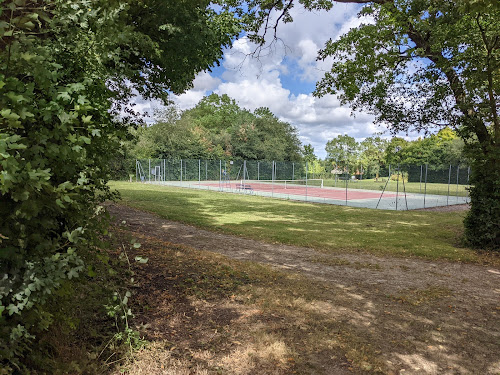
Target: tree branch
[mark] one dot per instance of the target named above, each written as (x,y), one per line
(456,87)
(489,73)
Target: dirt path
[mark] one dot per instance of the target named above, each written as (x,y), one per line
(446,313)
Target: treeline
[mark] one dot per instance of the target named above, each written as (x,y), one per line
(374,155)
(216,128)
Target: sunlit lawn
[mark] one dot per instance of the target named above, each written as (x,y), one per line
(326,227)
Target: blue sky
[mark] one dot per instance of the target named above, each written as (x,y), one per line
(284,79)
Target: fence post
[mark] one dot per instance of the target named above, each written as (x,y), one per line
(258,170)
(136,171)
(272,179)
(468,181)
(336,175)
(199,172)
(307,169)
(181,170)
(458,171)
(346,183)
(449,180)
(244,179)
(420,188)
(425,184)
(220,173)
(149,170)
(293,171)
(397,189)
(404,187)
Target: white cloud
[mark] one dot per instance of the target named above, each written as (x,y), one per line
(204,82)
(257,93)
(258,82)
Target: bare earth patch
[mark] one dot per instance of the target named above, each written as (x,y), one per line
(361,313)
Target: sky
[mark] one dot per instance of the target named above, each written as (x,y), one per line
(283,80)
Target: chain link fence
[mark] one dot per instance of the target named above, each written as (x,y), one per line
(393,187)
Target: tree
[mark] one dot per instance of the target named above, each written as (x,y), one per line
(372,155)
(279,139)
(217,128)
(439,150)
(308,153)
(343,151)
(67,69)
(396,151)
(420,65)
(215,112)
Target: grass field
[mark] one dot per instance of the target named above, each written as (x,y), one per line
(432,235)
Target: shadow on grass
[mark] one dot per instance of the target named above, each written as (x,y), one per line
(428,234)
(241,317)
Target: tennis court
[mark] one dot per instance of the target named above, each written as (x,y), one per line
(296,190)
(399,188)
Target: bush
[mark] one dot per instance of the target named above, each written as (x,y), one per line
(55,141)
(401,177)
(482,224)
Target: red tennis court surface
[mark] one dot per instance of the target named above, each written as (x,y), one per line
(311,191)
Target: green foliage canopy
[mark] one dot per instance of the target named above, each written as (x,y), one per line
(342,150)
(217,128)
(67,69)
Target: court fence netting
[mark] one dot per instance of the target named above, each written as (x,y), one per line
(390,187)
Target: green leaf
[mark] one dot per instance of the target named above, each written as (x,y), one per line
(8,114)
(64,95)
(13,309)
(72,273)
(141,259)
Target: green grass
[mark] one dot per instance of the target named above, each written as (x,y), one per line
(329,228)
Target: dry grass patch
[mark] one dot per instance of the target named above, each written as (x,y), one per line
(423,296)
(208,314)
(225,316)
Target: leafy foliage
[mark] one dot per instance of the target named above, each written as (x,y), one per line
(217,128)
(66,71)
(343,150)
